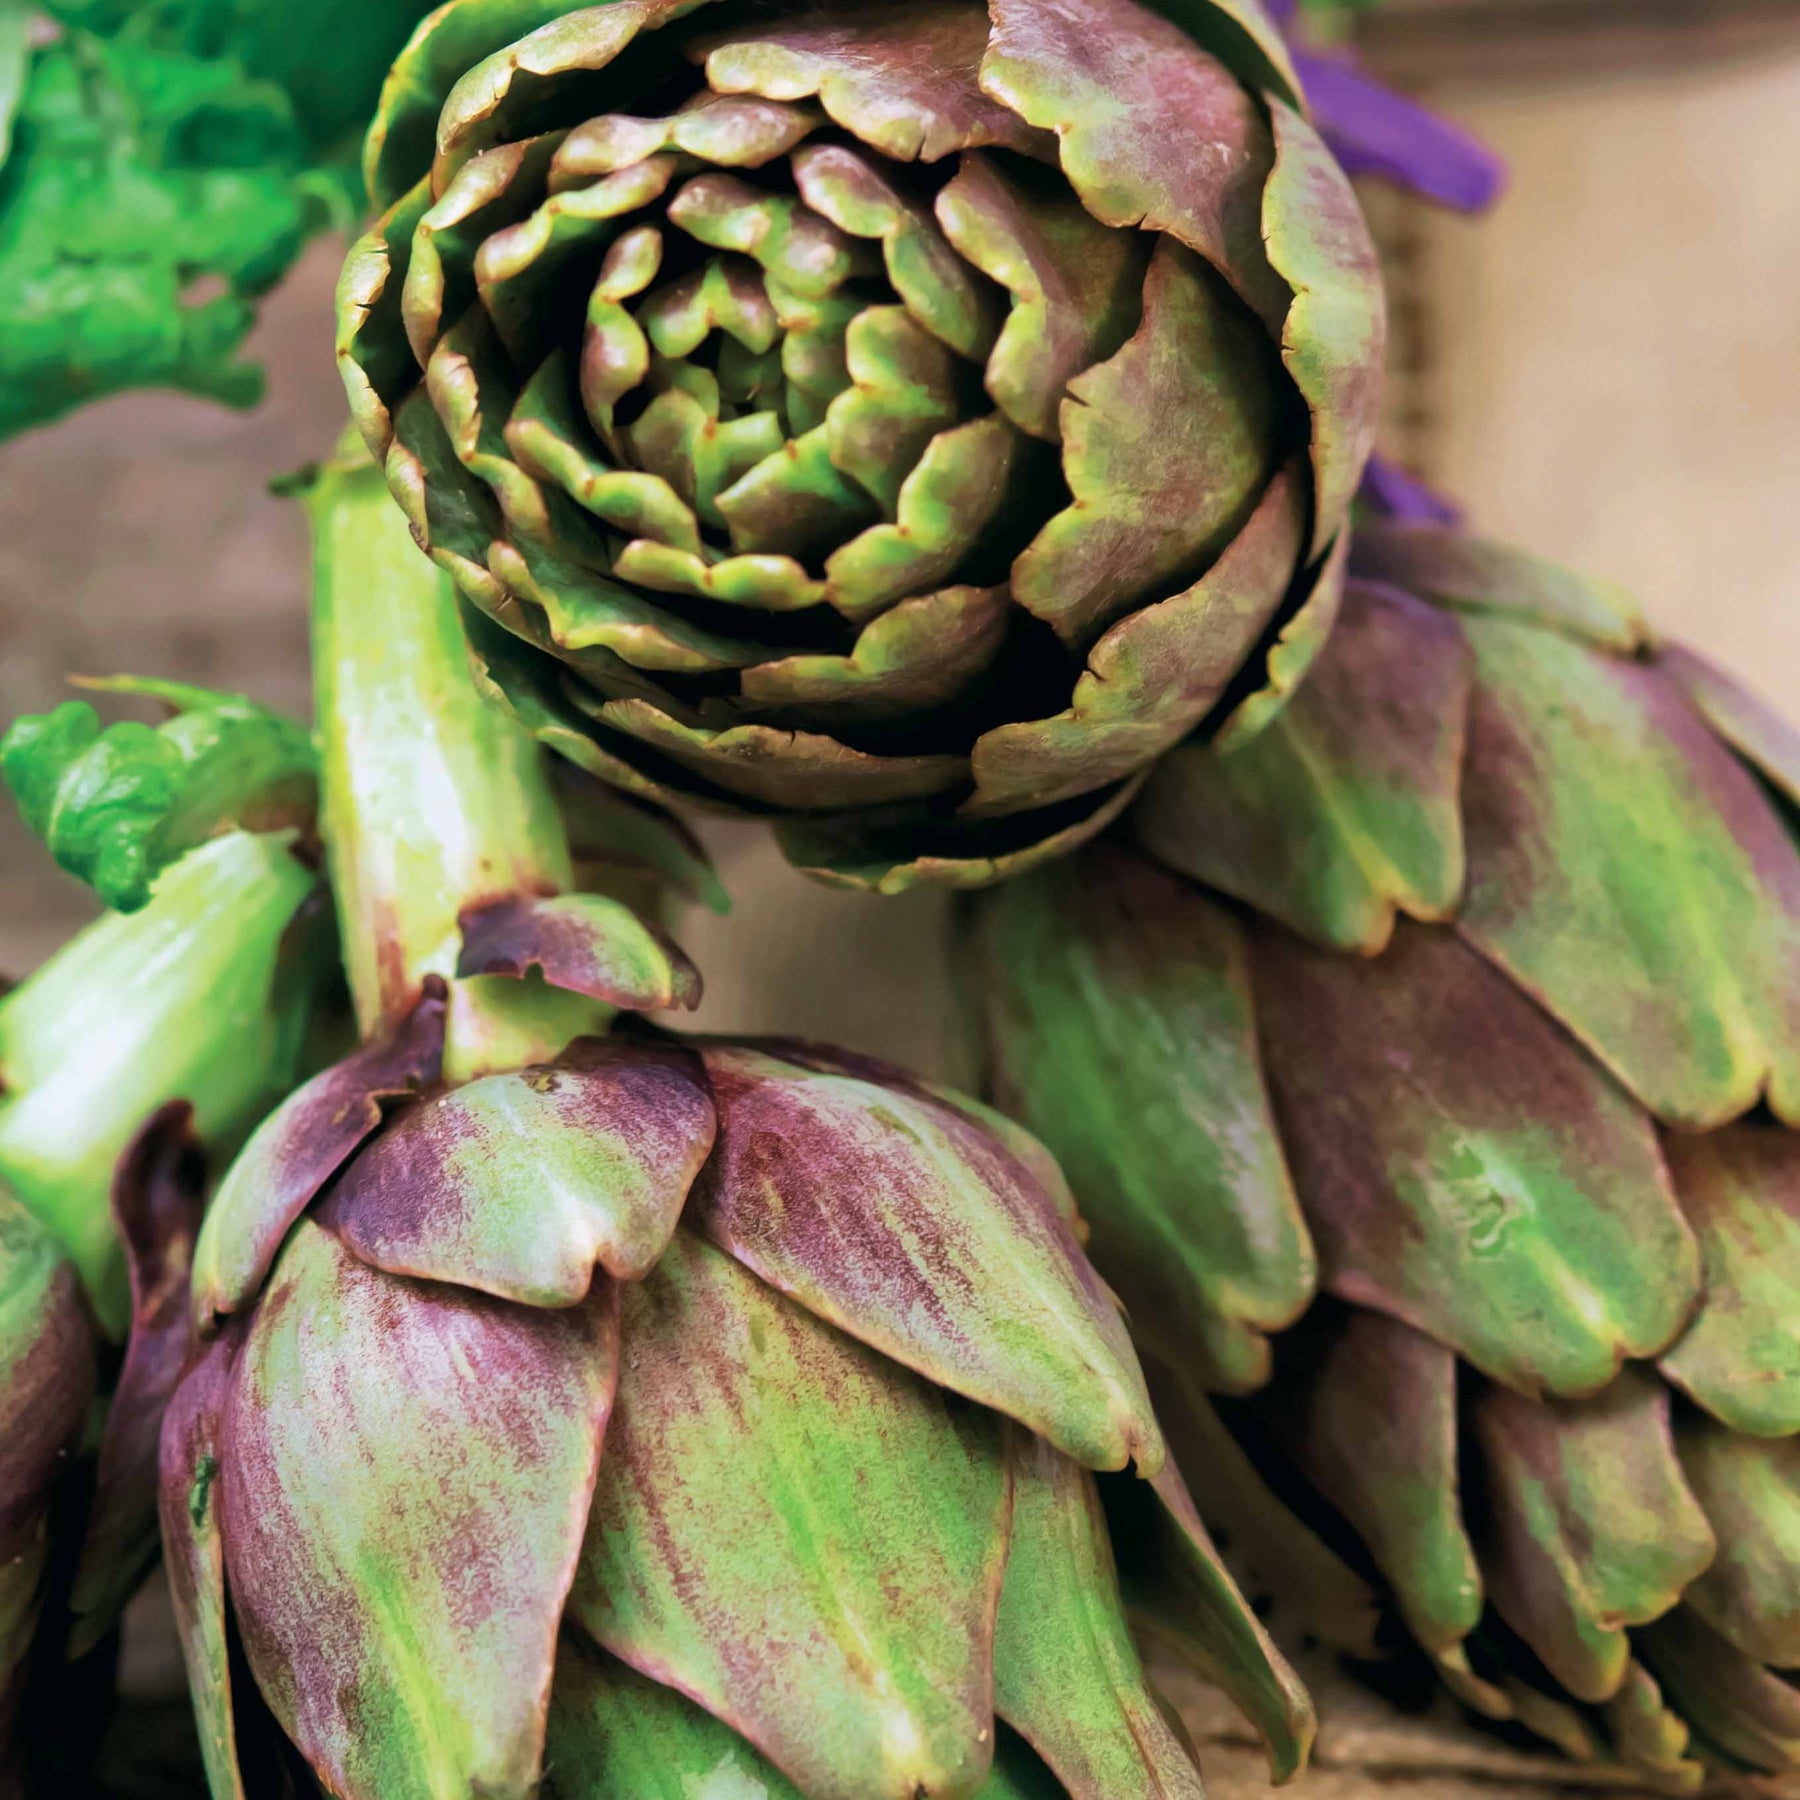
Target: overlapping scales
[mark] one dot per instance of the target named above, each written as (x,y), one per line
(900,422)
(1429,1070)
(675,1409)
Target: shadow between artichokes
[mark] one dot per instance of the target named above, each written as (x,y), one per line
(1429,1070)
(902,422)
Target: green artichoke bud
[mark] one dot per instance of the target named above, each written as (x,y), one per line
(903,422)
(46,1380)
(1448,1150)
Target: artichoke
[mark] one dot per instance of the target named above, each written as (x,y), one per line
(669,1408)
(46,1379)
(1430,1070)
(902,422)
(628,1414)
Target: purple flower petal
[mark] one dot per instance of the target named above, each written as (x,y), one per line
(1373,131)
(1389,491)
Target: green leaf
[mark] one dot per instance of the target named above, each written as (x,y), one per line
(117,806)
(168,162)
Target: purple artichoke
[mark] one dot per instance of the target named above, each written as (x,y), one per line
(670,1408)
(1447,1151)
(902,422)
(597,1415)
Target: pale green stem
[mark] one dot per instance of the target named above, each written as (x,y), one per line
(433,801)
(174,1002)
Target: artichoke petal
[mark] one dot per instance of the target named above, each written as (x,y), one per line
(1188,153)
(1335,334)
(1626,871)
(1475,575)
(1168,447)
(902,79)
(1119,1027)
(952,1259)
(584,943)
(299,1147)
(1154,675)
(800,1535)
(521,1185)
(1749,1489)
(1066,1675)
(1346,811)
(424,1456)
(1740,1358)
(1077,288)
(1467,1169)
(1587,1524)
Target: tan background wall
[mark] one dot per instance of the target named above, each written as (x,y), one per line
(1608,369)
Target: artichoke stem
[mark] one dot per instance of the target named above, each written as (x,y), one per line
(432,801)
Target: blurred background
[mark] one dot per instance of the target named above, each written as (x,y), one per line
(1606,369)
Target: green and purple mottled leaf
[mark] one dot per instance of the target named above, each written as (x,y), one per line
(1167,448)
(1345,811)
(772,767)
(1587,1524)
(1334,339)
(614,1735)
(1631,875)
(1077,288)
(799,1534)
(1474,575)
(157,1195)
(1066,1674)
(903,79)
(46,1381)
(914,1229)
(522,1185)
(193,1549)
(1364,1408)
(1154,675)
(298,1148)
(1740,1358)
(1749,1489)
(1116,1023)
(893,851)
(923,653)
(1184,150)
(584,943)
(404,1485)
(1737,1708)
(1759,734)
(1467,1169)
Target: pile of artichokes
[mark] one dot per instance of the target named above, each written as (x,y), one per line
(936,430)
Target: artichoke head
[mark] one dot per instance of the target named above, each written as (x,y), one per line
(899,422)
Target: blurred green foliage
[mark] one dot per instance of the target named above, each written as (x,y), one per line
(164,163)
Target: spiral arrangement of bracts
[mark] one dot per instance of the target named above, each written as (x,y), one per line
(901,422)
(1488,1035)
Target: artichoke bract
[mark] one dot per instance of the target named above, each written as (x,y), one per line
(900,421)
(1429,1070)
(46,1380)
(591,1414)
